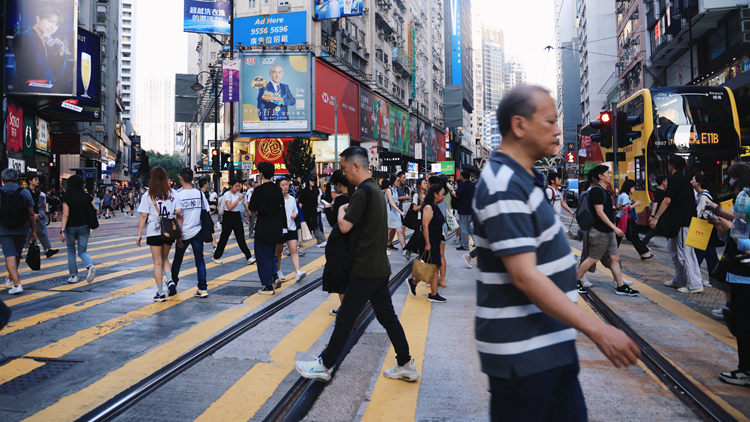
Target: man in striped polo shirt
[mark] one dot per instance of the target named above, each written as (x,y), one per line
(526,317)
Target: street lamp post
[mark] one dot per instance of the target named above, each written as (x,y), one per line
(198,87)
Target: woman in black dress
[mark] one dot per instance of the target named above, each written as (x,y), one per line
(344,191)
(431,236)
(308,199)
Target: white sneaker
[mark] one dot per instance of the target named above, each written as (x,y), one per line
(690,291)
(322,245)
(313,370)
(218,261)
(251,260)
(719,313)
(91,274)
(585,282)
(280,275)
(72,279)
(15,290)
(299,276)
(468,260)
(8,282)
(407,372)
(671,283)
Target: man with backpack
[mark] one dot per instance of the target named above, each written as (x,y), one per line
(17,218)
(368,276)
(193,202)
(603,232)
(554,196)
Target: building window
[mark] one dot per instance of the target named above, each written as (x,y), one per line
(126,79)
(252,4)
(213,55)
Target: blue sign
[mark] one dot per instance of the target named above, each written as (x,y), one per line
(88,175)
(746,67)
(287,28)
(457,75)
(334,9)
(207,16)
(106,171)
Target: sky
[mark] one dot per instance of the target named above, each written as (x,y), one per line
(161,46)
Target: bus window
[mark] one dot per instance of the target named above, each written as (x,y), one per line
(657,166)
(692,109)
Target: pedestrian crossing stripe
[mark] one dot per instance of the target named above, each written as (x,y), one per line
(28,298)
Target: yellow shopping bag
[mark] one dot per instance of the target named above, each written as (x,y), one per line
(698,234)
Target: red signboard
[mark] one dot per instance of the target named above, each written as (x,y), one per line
(271,150)
(66,143)
(441,146)
(571,157)
(330,83)
(14,127)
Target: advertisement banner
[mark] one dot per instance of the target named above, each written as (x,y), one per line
(41,144)
(65,143)
(324,150)
(271,150)
(447,167)
(231,80)
(29,134)
(14,127)
(287,28)
(328,84)
(432,143)
(373,117)
(334,9)
(372,152)
(398,129)
(441,152)
(42,56)
(87,104)
(275,93)
(456,76)
(413,136)
(207,16)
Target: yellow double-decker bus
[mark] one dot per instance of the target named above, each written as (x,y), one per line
(698,123)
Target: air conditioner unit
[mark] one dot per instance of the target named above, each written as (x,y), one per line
(387,66)
(366,52)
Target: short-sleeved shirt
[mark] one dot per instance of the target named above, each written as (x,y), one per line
(600,196)
(624,200)
(11,188)
(192,201)
(555,197)
(107,201)
(682,200)
(78,206)
(156,210)
(370,257)
(511,216)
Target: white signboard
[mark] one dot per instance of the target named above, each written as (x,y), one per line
(436,167)
(418,151)
(247,163)
(18,165)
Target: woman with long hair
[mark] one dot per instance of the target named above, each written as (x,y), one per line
(631,232)
(231,221)
(309,198)
(417,203)
(290,238)
(437,180)
(394,212)
(344,191)
(159,202)
(74,229)
(429,242)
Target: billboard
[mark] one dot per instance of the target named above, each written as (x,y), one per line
(413,137)
(29,134)
(287,28)
(14,127)
(373,117)
(271,150)
(327,150)
(441,145)
(398,129)
(41,54)
(456,76)
(328,84)
(275,92)
(432,143)
(334,9)
(41,144)
(207,16)
(87,104)
(231,80)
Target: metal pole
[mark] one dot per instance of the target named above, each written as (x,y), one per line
(217,173)
(335,133)
(690,40)
(616,179)
(231,105)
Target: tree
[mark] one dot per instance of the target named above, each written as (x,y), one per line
(172,164)
(299,158)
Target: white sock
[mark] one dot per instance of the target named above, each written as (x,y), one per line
(160,288)
(169,276)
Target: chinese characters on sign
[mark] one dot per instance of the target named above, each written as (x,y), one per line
(207,17)
(287,28)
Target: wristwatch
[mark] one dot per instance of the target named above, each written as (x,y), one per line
(62,231)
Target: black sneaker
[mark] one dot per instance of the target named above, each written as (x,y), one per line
(51,252)
(461,248)
(160,297)
(267,290)
(412,286)
(583,290)
(625,290)
(736,377)
(276,284)
(437,298)
(172,286)
(391,247)
(334,312)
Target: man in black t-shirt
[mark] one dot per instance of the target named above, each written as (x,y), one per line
(659,195)
(268,201)
(602,236)
(676,212)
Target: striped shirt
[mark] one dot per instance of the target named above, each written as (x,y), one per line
(514,337)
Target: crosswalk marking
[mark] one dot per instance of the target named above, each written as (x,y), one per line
(28,298)
(75,405)
(16,368)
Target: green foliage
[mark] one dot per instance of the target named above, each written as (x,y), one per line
(171,163)
(299,158)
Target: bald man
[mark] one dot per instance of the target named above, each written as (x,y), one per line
(274,98)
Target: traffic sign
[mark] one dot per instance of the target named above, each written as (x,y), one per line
(106,179)
(88,175)
(247,163)
(106,171)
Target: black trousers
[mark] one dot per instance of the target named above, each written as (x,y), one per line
(358,292)
(739,323)
(632,235)
(232,222)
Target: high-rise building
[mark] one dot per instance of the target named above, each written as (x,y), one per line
(127,60)
(155,114)
(596,26)
(568,61)
(493,59)
(514,73)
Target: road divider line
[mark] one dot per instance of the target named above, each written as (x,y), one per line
(75,405)
(389,394)
(16,368)
(28,298)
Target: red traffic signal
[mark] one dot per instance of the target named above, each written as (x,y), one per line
(214,152)
(605,117)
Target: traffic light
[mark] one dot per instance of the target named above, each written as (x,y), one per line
(225,159)
(215,163)
(625,133)
(604,126)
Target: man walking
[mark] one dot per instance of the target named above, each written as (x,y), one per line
(464,196)
(659,195)
(555,197)
(369,275)
(268,202)
(603,235)
(251,217)
(107,204)
(193,201)
(40,203)
(398,184)
(526,318)
(675,213)
(17,218)
(203,187)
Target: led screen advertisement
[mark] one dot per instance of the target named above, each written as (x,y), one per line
(14,127)
(456,76)
(374,118)
(329,84)
(87,104)
(207,16)
(271,150)
(275,93)
(41,54)
(398,129)
(413,137)
(286,28)
(334,9)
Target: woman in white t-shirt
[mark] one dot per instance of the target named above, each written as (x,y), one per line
(290,237)
(159,202)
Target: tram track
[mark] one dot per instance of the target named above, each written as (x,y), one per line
(679,384)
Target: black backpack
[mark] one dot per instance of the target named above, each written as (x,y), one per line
(584,215)
(338,255)
(13,210)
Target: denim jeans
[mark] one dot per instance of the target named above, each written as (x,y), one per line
(265,255)
(358,292)
(200,264)
(80,234)
(463,228)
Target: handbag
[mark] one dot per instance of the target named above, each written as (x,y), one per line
(451,221)
(698,234)
(170,229)
(33,258)
(422,270)
(92,219)
(303,233)
(411,219)
(719,274)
